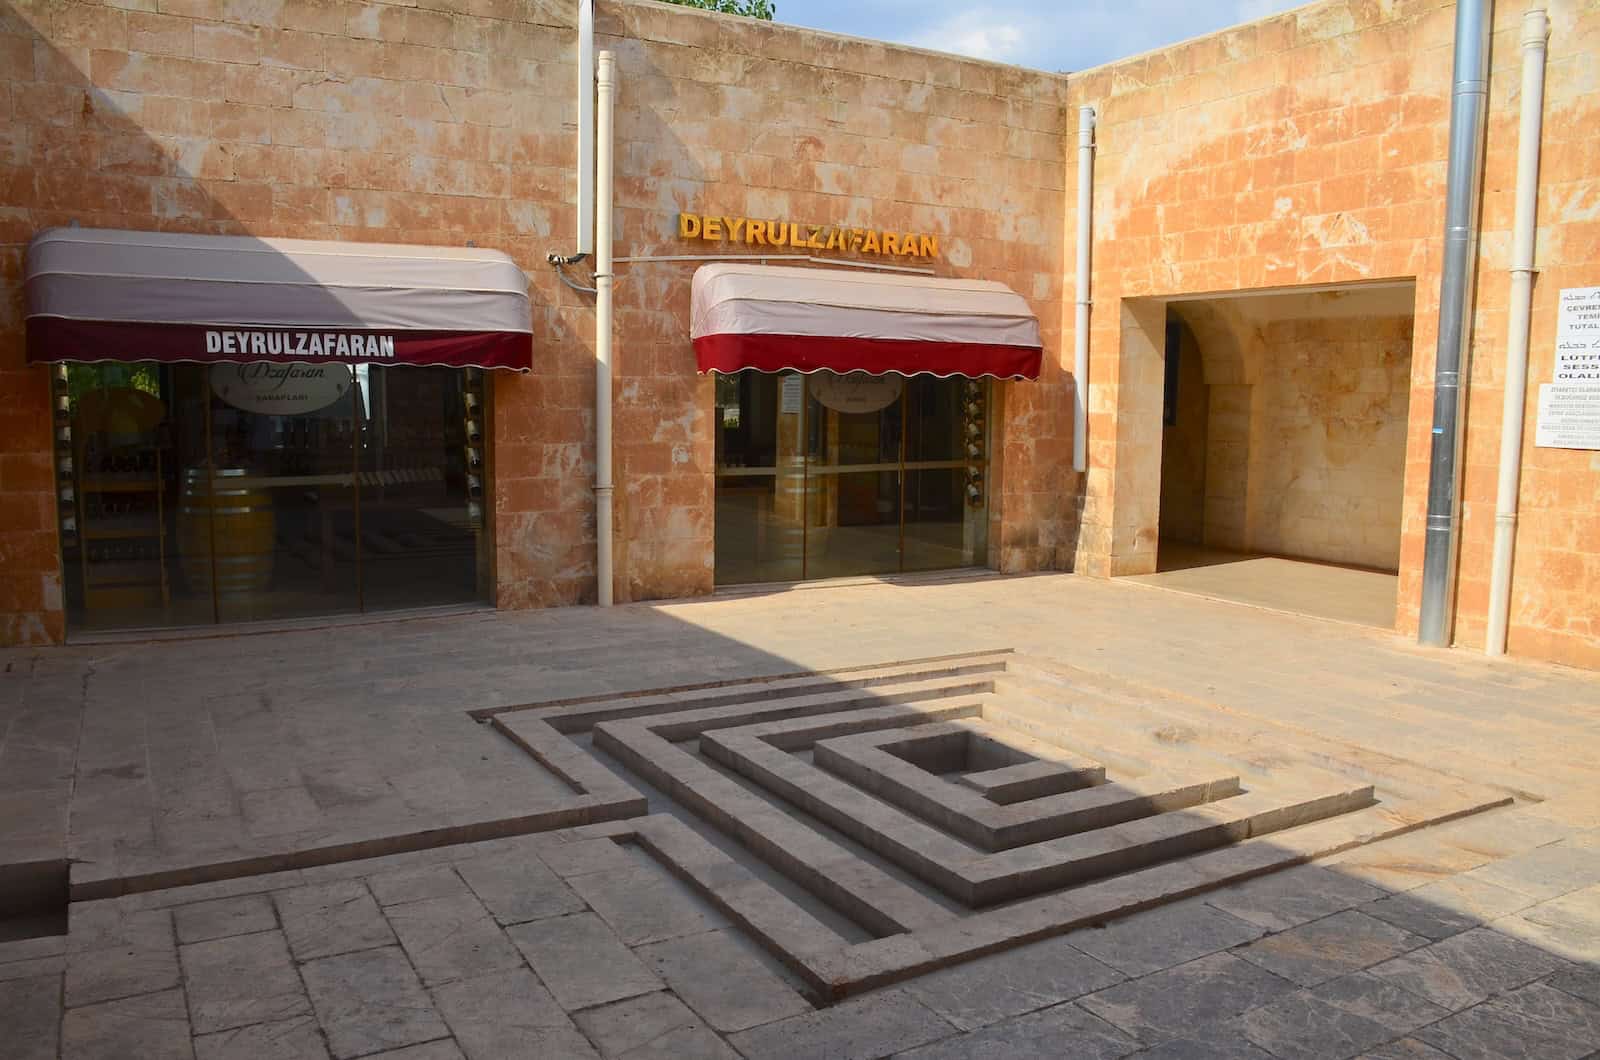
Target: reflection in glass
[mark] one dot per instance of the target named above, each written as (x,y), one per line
(761,482)
(866,474)
(193,494)
(421,489)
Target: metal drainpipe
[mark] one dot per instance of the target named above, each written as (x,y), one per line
(585,126)
(602,332)
(1535,31)
(1080,355)
(1464,179)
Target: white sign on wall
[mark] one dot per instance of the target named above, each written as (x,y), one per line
(1569,405)
(1569,416)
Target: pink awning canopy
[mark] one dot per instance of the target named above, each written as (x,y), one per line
(775,318)
(107,295)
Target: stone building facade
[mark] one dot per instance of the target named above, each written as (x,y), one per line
(1300,156)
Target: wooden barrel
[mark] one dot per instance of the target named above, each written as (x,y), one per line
(243,537)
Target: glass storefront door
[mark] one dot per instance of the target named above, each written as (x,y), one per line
(829,475)
(195,494)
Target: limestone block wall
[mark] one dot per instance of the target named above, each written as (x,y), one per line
(446,121)
(736,117)
(1328,445)
(1309,148)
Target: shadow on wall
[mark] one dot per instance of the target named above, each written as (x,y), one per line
(104,137)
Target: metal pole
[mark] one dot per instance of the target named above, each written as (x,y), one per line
(602,335)
(1464,179)
(586,191)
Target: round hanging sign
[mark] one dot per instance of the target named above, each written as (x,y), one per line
(280,389)
(856,392)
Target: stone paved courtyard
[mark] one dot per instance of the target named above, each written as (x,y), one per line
(986,817)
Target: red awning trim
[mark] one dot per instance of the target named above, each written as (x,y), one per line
(812,353)
(772,318)
(61,339)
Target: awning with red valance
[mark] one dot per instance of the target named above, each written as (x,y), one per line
(107,295)
(778,318)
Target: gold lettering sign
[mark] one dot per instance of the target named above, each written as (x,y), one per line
(757,232)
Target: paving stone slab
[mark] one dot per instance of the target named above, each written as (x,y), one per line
(1474,896)
(1045,1035)
(33,969)
(1568,925)
(1174,1003)
(652,1027)
(1161,938)
(122,971)
(1545,872)
(1533,1021)
(239,980)
(115,923)
(26,949)
(150,1027)
(1406,1049)
(30,1012)
(1292,897)
(508,1016)
(985,991)
(222,917)
(1301,1026)
(644,904)
(1226,1043)
(451,938)
(330,918)
(292,1039)
(871,1026)
(727,985)
(443,1049)
(581,961)
(1422,916)
(1467,968)
(414,884)
(1379,1000)
(1581,983)
(188,893)
(585,856)
(1327,948)
(518,887)
(1405,862)
(370,1000)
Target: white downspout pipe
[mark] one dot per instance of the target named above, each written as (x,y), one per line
(602,331)
(585,126)
(1535,31)
(1080,333)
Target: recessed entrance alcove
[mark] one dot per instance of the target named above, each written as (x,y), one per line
(1282,426)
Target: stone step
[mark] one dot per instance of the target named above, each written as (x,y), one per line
(866,894)
(1027,781)
(687,724)
(578,715)
(1151,840)
(990,827)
